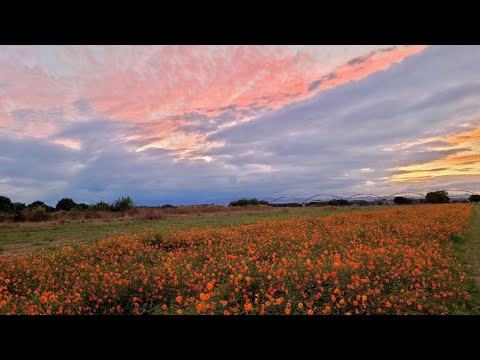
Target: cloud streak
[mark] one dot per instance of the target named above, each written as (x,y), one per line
(209,123)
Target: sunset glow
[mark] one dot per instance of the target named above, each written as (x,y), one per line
(194,124)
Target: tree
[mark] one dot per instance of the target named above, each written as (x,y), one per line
(82,206)
(245,202)
(102,206)
(437,197)
(338,202)
(474,198)
(5,204)
(402,200)
(17,207)
(38,203)
(66,204)
(122,203)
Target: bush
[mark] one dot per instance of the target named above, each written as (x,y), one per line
(474,198)
(38,214)
(456,238)
(66,204)
(82,206)
(167,206)
(5,204)
(102,206)
(245,202)
(38,203)
(437,197)
(123,203)
(400,200)
(338,202)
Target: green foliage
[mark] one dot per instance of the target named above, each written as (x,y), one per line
(5,204)
(38,203)
(402,200)
(338,202)
(474,198)
(437,197)
(82,206)
(17,207)
(456,238)
(245,202)
(122,203)
(101,206)
(66,204)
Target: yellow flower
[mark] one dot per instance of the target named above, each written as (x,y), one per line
(364,297)
(247,279)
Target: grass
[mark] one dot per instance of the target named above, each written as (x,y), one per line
(467,249)
(23,237)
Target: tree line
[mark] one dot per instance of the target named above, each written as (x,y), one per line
(434,197)
(65,204)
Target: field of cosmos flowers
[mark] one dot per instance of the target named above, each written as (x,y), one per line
(394,261)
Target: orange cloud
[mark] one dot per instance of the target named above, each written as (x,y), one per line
(466,161)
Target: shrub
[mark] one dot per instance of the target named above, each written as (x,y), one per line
(66,204)
(474,198)
(37,214)
(102,206)
(338,202)
(122,203)
(245,202)
(437,197)
(456,238)
(167,206)
(402,200)
(38,203)
(82,206)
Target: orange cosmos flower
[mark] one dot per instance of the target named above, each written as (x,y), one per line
(43,299)
(179,299)
(310,312)
(248,307)
(287,311)
(209,286)
(300,305)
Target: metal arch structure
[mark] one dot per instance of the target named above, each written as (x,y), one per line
(375,195)
(304,201)
(314,196)
(300,201)
(405,192)
(466,191)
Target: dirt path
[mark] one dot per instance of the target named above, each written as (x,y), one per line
(471,248)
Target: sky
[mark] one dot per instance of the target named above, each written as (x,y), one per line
(206,124)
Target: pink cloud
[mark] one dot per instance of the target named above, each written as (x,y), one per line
(155,87)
